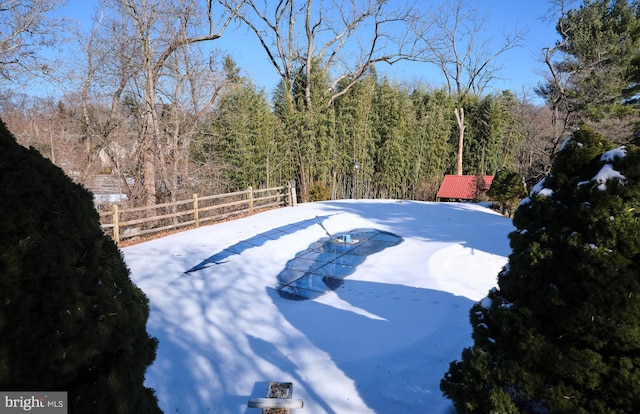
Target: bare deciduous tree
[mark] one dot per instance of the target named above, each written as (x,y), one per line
(534,157)
(157,35)
(344,38)
(321,49)
(102,114)
(453,42)
(591,77)
(554,90)
(27,27)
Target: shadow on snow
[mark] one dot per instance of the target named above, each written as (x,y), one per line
(255,241)
(399,339)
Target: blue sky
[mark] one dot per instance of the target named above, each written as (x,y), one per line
(521,67)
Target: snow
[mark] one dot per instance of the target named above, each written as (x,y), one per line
(546,192)
(565,143)
(605,174)
(380,343)
(486,303)
(109,198)
(611,155)
(538,189)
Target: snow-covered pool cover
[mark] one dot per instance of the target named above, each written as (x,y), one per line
(325,263)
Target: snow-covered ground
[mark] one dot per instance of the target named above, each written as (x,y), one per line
(380,343)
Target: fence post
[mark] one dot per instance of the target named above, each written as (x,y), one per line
(250,190)
(116,225)
(288,194)
(196,217)
(293,197)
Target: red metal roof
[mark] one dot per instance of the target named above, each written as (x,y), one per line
(462,187)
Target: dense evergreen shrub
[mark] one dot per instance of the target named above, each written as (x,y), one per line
(319,192)
(507,189)
(561,333)
(70,317)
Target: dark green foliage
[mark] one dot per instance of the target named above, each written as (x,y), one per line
(308,142)
(507,189)
(400,137)
(354,138)
(598,61)
(603,40)
(489,143)
(433,151)
(395,137)
(244,136)
(562,331)
(70,317)
(319,192)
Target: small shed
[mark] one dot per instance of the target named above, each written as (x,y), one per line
(463,187)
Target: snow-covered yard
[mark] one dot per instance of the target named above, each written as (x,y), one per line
(380,343)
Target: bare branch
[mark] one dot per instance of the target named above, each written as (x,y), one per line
(27,28)
(345,38)
(452,41)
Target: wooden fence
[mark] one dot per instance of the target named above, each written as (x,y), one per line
(123,224)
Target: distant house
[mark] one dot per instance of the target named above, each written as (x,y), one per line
(463,187)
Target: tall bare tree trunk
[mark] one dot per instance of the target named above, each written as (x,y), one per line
(460,119)
(150,138)
(162,30)
(465,62)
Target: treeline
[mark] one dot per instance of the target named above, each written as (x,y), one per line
(381,139)
(147,103)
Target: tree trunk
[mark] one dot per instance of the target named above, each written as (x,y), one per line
(460,118)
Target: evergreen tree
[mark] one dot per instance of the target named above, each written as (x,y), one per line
(561,333)
(353,129)
(507,189)
(395,133)
(595,65)
(488,121)
(70,317)
(434,150)
(243,136)
(307,131)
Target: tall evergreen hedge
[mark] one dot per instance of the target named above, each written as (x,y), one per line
(70,317)
(561,333)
